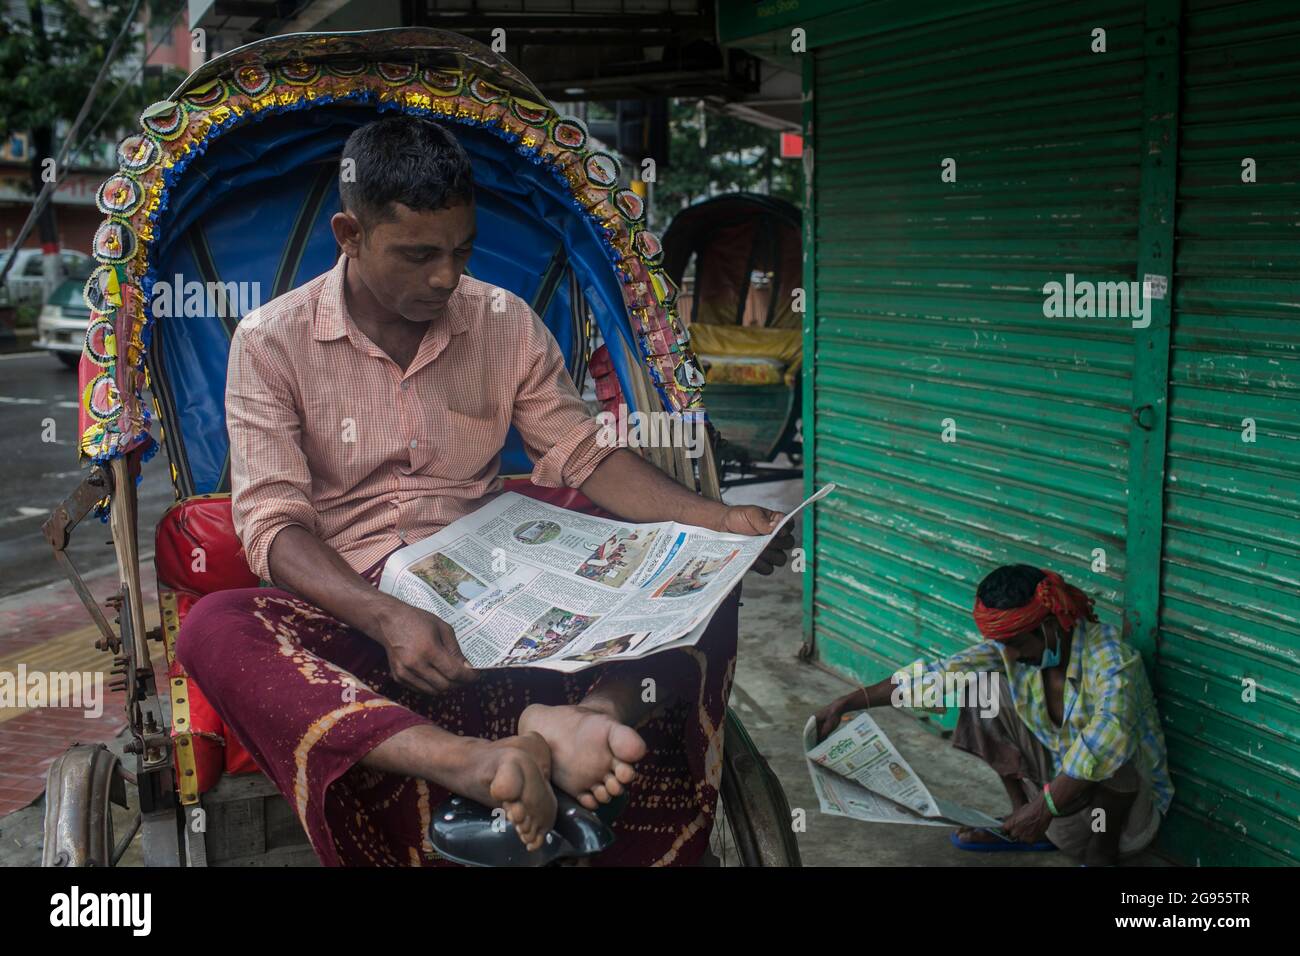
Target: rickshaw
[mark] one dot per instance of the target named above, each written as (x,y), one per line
(233,179)
(748,259)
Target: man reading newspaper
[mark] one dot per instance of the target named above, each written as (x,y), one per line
(1075,739)
(366,410)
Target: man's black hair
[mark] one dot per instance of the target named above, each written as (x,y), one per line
(1011,585)
(402,159)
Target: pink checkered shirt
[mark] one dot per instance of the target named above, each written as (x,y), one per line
(327,432)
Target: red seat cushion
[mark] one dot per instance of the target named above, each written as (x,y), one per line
(196,548)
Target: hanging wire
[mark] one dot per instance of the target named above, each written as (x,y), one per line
(62,164)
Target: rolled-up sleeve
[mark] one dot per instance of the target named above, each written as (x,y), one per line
(564,441)
(269,479)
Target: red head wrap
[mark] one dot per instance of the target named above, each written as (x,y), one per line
(1052,596)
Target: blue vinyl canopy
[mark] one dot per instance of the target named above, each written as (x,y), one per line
(256,208)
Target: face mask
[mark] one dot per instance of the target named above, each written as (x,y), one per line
(1051,657)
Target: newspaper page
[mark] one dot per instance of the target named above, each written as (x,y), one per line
(526,584)
(858,772)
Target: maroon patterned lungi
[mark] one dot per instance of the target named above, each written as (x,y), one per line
(276,669)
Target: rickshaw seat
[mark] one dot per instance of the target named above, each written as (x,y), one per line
(748,355)
(197,552)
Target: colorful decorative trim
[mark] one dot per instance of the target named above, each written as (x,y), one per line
(442,82)
(208,96)
(114,242)
(346,67)
(114,416)
(300,73)
(119,196)
(251,80)
(396,74)
(138,153)
(165,120)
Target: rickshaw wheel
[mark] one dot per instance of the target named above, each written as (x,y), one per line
(79,787)
(752,826)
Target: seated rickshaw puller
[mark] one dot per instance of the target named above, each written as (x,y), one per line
(1076,728)
(366,410)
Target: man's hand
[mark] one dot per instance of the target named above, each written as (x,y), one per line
(423,653)
(829,717)
(1030,822)
(753,520)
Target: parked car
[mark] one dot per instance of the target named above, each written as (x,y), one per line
(25,281)
(61,328)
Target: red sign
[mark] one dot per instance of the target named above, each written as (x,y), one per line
(791,145)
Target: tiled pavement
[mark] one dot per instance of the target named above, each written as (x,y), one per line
(48,629)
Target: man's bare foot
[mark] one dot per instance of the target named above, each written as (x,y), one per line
(514,773)
(592,754)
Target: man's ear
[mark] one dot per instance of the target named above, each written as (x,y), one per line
(348,233)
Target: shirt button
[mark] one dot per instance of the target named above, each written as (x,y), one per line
(414,443)
(405,386)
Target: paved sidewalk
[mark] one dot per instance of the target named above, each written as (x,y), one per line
(47,629)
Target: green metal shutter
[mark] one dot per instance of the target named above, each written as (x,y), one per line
(927,305)
(1230,602)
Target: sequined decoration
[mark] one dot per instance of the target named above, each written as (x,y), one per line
(174,133)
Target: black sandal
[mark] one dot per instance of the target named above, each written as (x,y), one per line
(466,832)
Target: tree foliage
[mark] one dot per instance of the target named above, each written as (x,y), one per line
(46,79)
(736,156)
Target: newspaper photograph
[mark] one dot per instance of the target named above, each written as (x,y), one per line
(526,584)
(858,772)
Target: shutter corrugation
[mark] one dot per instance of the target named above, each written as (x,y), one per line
(1230,602)
(929,306)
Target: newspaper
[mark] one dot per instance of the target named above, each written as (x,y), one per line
(858,772)
(527,584)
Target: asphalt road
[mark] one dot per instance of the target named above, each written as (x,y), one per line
(36,475)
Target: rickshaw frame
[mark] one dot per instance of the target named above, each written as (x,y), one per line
(84,782)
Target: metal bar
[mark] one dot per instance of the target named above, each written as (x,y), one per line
(122,519)
(632,24)
(1156,211)
(87,599)
(809,347)
(58,531)
(764,476)
(126,840)
(161,839)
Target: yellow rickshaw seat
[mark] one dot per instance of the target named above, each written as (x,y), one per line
(748,355)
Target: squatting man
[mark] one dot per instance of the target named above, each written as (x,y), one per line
(1076,739)
(366,410)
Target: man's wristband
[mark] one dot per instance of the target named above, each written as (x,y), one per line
(1047,797)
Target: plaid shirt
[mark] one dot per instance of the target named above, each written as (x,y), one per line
(1108,712)
(327,432)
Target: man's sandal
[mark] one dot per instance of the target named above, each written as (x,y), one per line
(471,834)
(1003,845)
